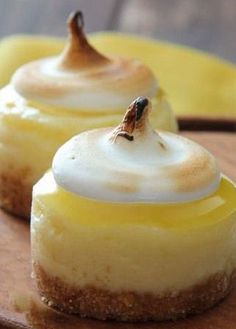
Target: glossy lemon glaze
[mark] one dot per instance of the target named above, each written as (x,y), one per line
(207,211)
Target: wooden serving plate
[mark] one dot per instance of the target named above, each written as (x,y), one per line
(20,306)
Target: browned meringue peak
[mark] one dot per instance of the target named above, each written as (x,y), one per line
(134,163)
(78,53)
(136,122)
(83,79)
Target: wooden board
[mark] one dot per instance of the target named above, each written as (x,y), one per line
(19,304)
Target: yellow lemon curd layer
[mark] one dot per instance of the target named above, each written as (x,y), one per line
(154,248)
(30,133)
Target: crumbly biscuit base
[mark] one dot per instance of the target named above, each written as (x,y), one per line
(129,305)
(15,193)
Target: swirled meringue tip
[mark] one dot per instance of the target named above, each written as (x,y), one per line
(81,77)
(133,163)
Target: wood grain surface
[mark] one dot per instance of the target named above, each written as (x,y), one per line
(20,306)
(208,25)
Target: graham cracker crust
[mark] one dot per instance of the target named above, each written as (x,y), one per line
(15,192)
(127,305)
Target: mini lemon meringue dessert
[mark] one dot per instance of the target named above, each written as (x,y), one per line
(133,225)
(50,100)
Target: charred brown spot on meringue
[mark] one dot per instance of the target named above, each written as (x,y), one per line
(200,170)
(78,53)
(134,120)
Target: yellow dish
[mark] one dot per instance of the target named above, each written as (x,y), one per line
(197,83)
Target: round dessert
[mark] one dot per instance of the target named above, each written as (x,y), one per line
(50,100)
(133,225)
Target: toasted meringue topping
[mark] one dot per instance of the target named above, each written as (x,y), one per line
(81,77)
(133,163)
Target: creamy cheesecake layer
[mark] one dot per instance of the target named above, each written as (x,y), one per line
(31,133)
(132,247)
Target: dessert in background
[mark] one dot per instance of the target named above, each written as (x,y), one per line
(133,225)
(50,100)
